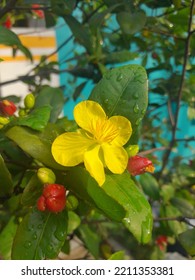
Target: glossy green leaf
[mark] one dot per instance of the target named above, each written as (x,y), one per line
(6,238)
(52,97)
(84,186)
(6,184)
(119,199)
(91,239)
(124,91)
(78,90)
(40,236)
(37,119)
(150,186)
(32,191)
(9,38)
(138,219)
(187,240)
(33,145)
(131,23)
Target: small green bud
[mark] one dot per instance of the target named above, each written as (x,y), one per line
(46,175)
(29,101)
(4,120)
(71,202)
(22,112)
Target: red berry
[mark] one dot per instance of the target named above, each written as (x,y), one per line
(41,203)
(53,198)
(7,108)
(8,22)
(39,13)
(55,204)
(161,242)
(138,165)
(53,190)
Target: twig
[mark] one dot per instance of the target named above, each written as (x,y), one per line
(178,219)
(179,96)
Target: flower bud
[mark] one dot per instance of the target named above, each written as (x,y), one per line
(4,120)
(29,101)
(7,108)
(52,199)
(72,202)
(46,175)
(138,165)
(161,242)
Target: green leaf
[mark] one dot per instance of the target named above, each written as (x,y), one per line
(32,191)
(119,199)
(84,186)
(187,240)
(80,32)
(120,255)
(6,239)
(78,90)
(37,119)
(131,23)
(52,97)
(91,239)
(120,56)
(169,211)
(138,219)
(6,184)
(32,144)
(124,91)
(40,236)
(184,206)
(150,186)
(9,38)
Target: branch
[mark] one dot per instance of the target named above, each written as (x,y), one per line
(178,219)
(179,96)
(9,6)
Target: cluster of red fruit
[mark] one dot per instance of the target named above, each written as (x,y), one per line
(53,198)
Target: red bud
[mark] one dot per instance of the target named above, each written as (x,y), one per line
(161,242)
(7,108)
(138,165)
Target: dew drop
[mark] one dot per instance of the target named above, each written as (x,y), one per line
(40,226)
(34,236)
(27,244)
(143,111)
(60,235)
(106,101)
(119,77)
(49,248)
(136,108)
(138,121)
(136,95)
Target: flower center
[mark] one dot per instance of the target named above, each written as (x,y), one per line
(104,131)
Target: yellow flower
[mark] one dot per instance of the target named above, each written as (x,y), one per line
(99,142)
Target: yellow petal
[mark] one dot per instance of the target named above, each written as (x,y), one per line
(94,165)
(87,114)
(115,157)
(68,148)
(124,130)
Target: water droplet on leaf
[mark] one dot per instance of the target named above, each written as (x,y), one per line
(27,244)
(136,108)
(119,77)
(136,95)
(138,121)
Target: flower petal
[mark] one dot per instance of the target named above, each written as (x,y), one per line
(87,113)
(115,157)
(124,130)
(68,148)
(94,165)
